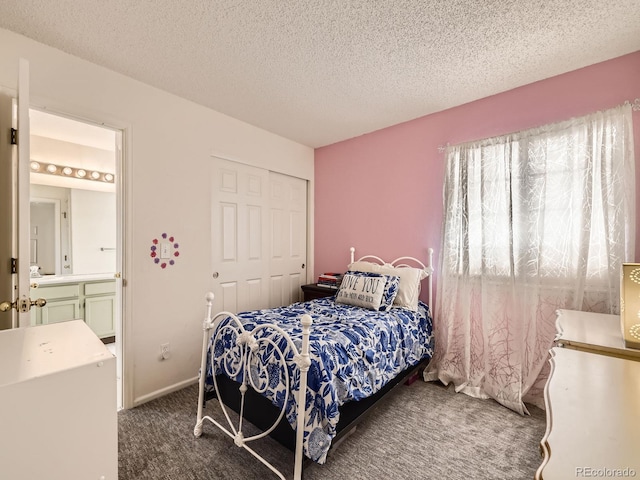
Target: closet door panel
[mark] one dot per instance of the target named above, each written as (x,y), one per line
(288,249)
(229,232)
(239,236)
(276,288)
(227,297)
(255,232)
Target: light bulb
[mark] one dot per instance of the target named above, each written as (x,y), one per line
(35,166)
(95,175)
(67,170)
(51,168)
(81,173)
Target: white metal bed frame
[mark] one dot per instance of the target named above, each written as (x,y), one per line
(247,346)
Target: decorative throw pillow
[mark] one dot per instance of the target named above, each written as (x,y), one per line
(409,289)
(390,292)
(391,287)
(362,290)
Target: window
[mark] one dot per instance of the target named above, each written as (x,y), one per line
(533,222)
(549,204)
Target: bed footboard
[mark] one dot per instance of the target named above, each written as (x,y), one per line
(238,362)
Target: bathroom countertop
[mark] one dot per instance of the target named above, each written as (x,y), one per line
(85,277)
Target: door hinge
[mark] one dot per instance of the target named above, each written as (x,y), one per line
(14,265)
(14,136)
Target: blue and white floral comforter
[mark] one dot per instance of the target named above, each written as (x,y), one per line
(354,352)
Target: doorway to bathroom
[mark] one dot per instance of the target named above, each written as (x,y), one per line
(76,226)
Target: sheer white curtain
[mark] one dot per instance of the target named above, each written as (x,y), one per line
(533,222)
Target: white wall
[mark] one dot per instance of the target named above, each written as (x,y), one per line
(93,231)
(168,144)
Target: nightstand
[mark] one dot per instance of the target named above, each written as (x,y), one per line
(313,291)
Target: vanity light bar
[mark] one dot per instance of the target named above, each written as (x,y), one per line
(63,171)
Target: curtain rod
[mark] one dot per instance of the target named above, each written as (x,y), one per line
(635,106)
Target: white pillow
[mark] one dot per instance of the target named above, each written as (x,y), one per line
(362,291)
(410,278)
(363,266)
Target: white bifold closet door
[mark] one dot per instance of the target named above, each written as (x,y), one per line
(258,231)
(288,242)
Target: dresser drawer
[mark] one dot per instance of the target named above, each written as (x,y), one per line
(100,288)
(58,291)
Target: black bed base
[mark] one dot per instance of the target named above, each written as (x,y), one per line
(262,413)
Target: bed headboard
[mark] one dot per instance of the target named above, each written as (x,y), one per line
(402,262)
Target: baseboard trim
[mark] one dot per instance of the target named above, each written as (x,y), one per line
(165,391)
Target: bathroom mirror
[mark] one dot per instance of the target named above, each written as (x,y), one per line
(72,231)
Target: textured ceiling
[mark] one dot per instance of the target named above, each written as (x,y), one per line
(321,71)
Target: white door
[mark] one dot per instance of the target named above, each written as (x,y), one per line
(6,209)
(15,273)
(288,238)
(239,236)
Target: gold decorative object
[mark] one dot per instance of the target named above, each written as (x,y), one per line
(630,304)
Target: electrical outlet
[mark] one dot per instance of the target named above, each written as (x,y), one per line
(164,351)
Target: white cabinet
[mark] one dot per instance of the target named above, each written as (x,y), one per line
(58,413)
(63,303)
(93,302)
(60,311)
(99,307)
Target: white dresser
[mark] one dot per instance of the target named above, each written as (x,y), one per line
(593,401)
(58,418)
(594,333)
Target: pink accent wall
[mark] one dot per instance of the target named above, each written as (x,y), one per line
(382,192)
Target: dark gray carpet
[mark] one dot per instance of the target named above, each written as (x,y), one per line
(424,431)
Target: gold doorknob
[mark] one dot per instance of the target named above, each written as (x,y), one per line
(22,305)
(39,302)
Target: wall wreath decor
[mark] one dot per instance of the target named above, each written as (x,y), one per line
(164,250)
